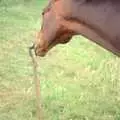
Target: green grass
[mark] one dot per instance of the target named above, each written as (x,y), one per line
(83,85)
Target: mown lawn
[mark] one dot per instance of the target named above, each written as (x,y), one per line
(79,80)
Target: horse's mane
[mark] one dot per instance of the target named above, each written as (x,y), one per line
(102,1)
(50,2)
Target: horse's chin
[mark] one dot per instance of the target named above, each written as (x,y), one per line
(39,52)
(43,50)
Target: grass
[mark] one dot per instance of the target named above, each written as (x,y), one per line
(83,85)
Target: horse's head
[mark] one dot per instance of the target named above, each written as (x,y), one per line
(52,31)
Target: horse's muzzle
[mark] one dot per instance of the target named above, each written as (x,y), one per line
(40,52)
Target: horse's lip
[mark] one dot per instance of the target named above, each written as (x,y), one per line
(40,52)
(43,51)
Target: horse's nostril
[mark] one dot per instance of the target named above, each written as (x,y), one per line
(36,53)
(36,49)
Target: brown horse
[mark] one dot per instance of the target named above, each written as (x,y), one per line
(97,20)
